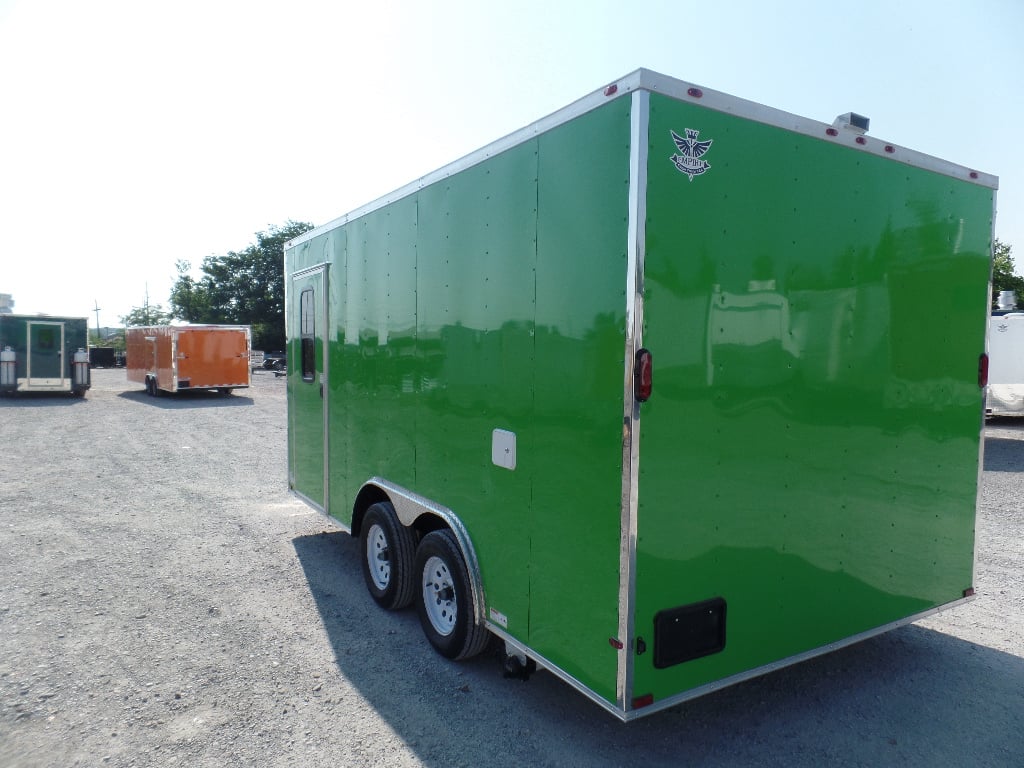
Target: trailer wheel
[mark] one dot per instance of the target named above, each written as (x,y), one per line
(150,386)
(445,603)
(225,391)
(388,550)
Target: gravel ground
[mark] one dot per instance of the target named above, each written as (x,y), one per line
(165,601)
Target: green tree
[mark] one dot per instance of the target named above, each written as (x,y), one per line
(187,301)
(244,287)
(147,315)
(1004,278)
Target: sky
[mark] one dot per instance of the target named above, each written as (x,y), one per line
(135,134)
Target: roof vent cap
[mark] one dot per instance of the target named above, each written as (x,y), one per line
(851,121)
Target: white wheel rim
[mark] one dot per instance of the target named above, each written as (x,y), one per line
(439,596)
(377,557)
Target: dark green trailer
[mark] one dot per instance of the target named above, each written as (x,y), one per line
(645,389)
(43,353)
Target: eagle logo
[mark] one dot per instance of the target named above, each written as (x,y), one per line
(691,151)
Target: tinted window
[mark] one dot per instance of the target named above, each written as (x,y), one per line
(307,332)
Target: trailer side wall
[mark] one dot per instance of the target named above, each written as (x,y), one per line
(492,299)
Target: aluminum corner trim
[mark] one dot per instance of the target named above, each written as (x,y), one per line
(636,237)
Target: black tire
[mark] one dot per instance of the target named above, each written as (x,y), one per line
(388,551)
(225,391)
(444,599)
(150,386)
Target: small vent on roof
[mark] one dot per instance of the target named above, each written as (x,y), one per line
(851,121)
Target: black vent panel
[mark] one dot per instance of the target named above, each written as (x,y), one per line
(689,632)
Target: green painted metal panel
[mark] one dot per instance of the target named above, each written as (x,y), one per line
(816,316)
(580,343)
(476,281)
(374,365)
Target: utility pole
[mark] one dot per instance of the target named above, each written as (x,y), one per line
(97,311)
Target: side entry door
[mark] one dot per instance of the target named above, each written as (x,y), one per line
(307,385)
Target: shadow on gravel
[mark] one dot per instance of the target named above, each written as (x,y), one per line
(198,398)
(39,400)
(912,697)
(1003,454)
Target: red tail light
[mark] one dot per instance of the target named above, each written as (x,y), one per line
(642,373)
(983,370)
(643,701)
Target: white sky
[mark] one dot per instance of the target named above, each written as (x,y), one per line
(134,133)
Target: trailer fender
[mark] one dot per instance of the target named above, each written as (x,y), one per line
(411,508)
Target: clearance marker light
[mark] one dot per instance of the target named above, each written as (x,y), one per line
(642,375)
(696,93)
(983,370)
(643,701)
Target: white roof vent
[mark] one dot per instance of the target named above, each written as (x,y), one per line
(851,121)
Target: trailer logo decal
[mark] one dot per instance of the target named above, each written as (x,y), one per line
(690,151)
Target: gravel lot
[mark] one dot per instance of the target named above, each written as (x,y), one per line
(165,601)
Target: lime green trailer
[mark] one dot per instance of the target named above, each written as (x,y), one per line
(644,391)
(44,353)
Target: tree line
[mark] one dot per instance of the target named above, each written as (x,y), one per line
(1004,277)
(238,288)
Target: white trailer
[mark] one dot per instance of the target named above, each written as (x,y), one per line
(1005,396)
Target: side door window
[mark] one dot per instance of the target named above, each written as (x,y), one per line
(307,333)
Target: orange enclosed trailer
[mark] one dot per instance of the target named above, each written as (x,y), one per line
(171,358)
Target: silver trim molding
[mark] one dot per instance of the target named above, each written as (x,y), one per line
(636,238)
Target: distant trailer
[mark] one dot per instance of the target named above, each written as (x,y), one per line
(43,353)
(1005,394)
(102,357)
(172,358)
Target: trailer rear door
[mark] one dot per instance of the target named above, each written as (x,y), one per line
(212,357)
(45,354)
